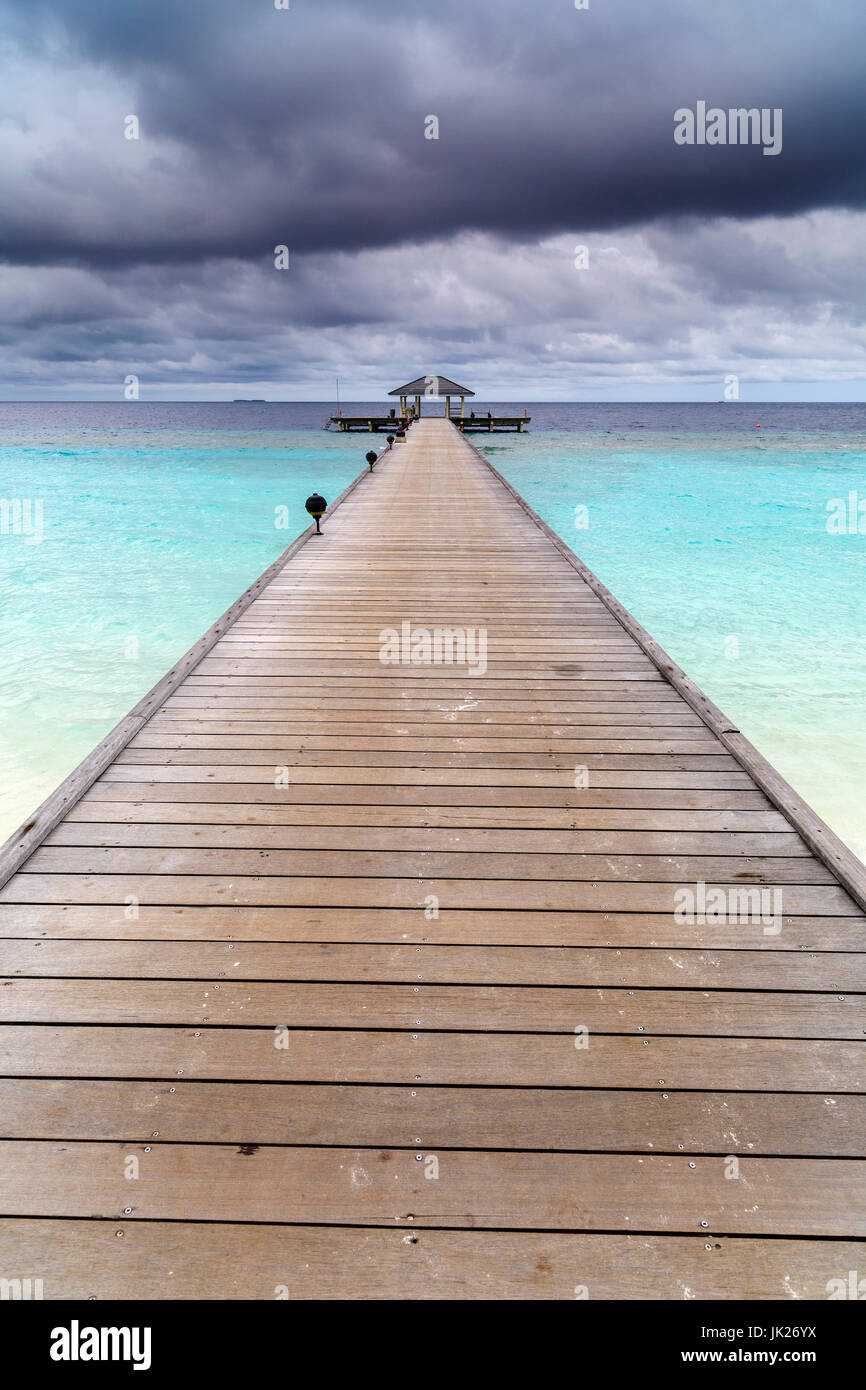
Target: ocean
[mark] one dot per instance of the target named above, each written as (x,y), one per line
(741,549)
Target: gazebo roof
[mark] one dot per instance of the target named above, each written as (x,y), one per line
(444,387)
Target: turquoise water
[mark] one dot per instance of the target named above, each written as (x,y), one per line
(715,536)
(719,546)
(147,539)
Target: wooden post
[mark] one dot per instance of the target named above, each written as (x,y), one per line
(418,406)
(447,407)
(462,406)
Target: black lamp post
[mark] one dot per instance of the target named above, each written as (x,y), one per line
(316,506)
(390,440)
(371,457)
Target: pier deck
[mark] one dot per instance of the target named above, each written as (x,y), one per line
(372,974)
(467,424)
(368,424)
(477,424)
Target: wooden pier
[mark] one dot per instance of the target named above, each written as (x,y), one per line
(368,424)
(333,978)
(467,424)
(476,424)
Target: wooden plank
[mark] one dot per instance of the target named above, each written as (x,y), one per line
(457,1117)
(238,711)
(182,788)
(541,1191)
(345,700)
(363,1057)
(408,863)
(466,894)
(431,839)
(613,771)
(468,1008)
(365,646)
(505,926)
(483,965)
(187,1260)
(592,723)
(92,811)
(600,741)
(519,672)
(421,691)
(457,761)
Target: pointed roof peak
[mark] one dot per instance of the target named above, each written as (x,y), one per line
(432,385)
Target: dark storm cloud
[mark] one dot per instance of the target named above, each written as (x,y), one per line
(774,300)
(307,126)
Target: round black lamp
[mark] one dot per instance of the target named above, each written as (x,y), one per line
(316,506)
(371,457)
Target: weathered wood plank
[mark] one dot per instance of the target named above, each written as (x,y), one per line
(484,1008)
(423,862)
(506,926)
(483,965)
(458,1117)
(107,817)
(306,791)
(466,894)
(186,1260)
(431,840)
(441,1059)
(598,741)
(457,760)
(541,1191)
(278,716)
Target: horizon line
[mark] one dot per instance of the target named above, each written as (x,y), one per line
(324,400)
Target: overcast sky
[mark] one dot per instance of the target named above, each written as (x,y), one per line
(305,128)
